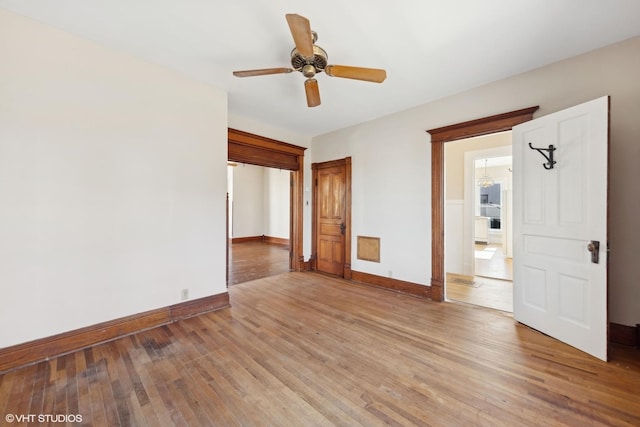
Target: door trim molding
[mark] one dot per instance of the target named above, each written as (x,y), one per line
(346,162)
(245,147)
(439,136)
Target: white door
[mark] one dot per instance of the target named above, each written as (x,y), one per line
(558,288)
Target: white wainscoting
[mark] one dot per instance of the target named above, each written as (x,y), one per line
(454,237)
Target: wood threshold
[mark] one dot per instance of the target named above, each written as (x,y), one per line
(46,348)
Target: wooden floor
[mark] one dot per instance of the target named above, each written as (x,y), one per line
(496,265)
(302,349)
(482,291)
(255,260)
(492,284)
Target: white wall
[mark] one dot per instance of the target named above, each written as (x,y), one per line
(112,184)
(454,154)
(391,163)
(277,202)
(260,202)
(390,197)
(248,203)
(455,250)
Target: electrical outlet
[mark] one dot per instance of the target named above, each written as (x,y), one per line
(390,273)
(185,294)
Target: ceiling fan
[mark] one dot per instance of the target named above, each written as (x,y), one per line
(310,59)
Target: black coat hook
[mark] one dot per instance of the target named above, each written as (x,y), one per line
(550,161)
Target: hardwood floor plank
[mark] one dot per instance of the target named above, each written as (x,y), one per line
(20,396)
(205,402)
(71,386)
(95,410)
(48,400)
(172,413)
(254,364)
(105,376)
(256,260)
(304,376)
(225,394)
(154,411)
(37,396)
(482,291)
(83,396)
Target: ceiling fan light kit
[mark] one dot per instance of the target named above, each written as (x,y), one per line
(310,59)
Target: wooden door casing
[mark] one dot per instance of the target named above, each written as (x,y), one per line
(439,136)
(244,147)
(332,217)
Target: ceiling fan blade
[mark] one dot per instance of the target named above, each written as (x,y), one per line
(263,72)
(374,75)
(313,92)
(301,32)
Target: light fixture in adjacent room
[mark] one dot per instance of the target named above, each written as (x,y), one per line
(486,180)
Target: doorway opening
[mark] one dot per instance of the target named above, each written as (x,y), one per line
(440,136)
(478,247)
(251,149)
(259,222)
(493,244)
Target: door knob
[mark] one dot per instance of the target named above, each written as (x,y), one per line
(594,248)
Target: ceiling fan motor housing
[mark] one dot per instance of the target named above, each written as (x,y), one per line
(309,66)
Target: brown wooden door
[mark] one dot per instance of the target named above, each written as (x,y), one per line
(331,222)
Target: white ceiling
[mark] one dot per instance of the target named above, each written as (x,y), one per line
(430,48)
(493,162)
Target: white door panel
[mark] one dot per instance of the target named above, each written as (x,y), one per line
(557,212)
